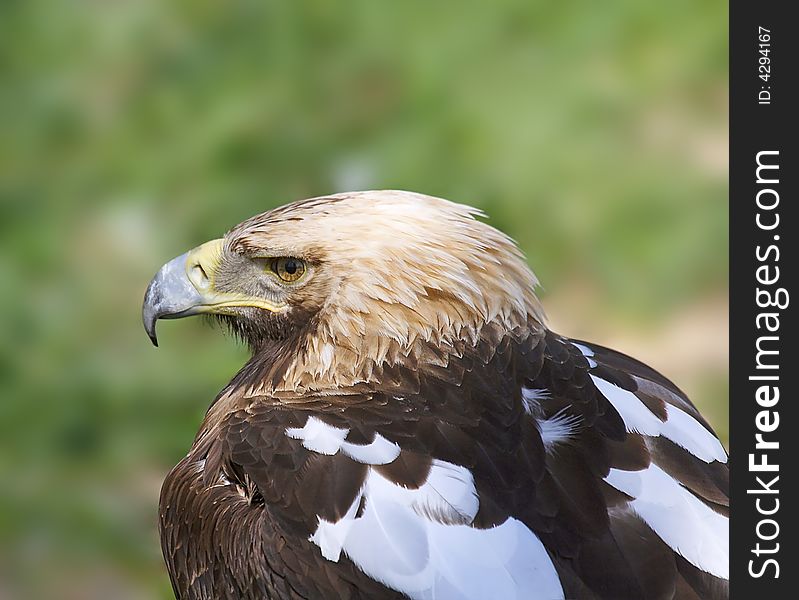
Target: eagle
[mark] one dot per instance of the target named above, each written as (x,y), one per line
(408,427)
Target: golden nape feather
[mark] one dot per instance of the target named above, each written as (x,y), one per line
(397,271)
(407,425)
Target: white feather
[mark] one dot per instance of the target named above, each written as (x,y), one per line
(531,400)
(636,416)
(682,521)
(680,427)
(330,536)
(557,429)
(318,436)
(419,542)
(379,451)
(685,431)
(587,352)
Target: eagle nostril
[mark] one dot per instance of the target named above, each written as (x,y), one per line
(200,277)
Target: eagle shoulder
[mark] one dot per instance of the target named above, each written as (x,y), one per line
(560,467)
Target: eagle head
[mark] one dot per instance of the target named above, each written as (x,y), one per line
(329,291)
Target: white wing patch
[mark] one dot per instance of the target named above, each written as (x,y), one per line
(682,521)
(636,416)
(420,541)
(330,536)
(680,427)
(399,541)
(318,436)
(685,431)
(587,352)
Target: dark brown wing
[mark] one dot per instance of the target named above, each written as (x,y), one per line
(666,490)
(549,468)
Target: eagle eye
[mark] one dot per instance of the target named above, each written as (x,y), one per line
(288,269)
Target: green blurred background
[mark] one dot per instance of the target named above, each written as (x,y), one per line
(131,131)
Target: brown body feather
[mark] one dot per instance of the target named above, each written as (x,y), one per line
(223,540)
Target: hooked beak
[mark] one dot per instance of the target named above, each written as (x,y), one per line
(185,286)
